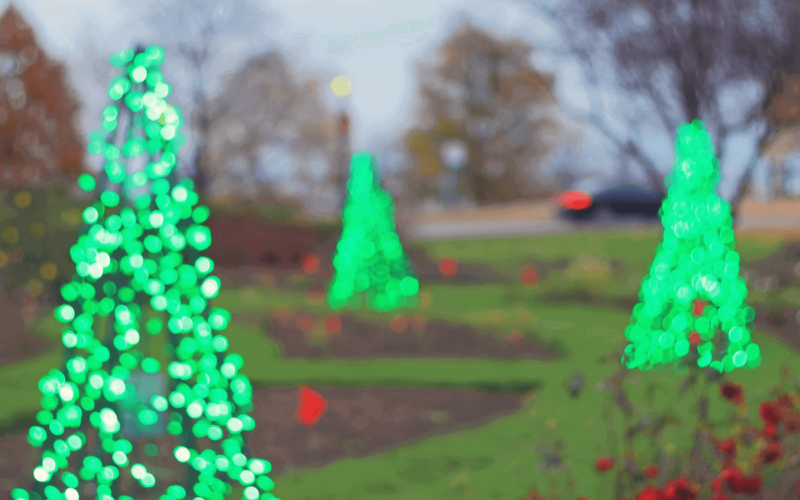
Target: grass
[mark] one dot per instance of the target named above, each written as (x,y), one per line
(497,460)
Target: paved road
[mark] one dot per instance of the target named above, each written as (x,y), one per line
(489,229)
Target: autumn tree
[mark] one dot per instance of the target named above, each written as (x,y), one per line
(40,153)
(675,61)
(485,93)
(265,107)
(38,138)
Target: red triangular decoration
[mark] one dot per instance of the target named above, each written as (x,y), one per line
(311,406)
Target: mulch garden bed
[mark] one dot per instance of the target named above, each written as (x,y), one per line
(780,323)
(351,338)
(17,346)
(357,422)
(16,341)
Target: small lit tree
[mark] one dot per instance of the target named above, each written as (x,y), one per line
(143,250)
(693,297)
(370,265)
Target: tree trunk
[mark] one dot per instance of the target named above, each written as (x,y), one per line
(200,178)
(745,182)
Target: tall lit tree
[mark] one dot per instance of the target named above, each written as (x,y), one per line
(143,250)
(371,267)
(693,297)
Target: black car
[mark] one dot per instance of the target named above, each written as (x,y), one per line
(606,201)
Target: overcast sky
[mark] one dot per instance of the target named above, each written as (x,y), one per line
(375,42)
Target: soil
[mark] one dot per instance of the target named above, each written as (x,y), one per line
(405,338)
(357,422)
(425,268)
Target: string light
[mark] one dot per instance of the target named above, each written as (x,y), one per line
(693,300)
(371,267)
(143,251)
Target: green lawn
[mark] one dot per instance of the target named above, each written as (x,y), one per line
(499,459)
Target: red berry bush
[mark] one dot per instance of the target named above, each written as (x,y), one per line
(757,457)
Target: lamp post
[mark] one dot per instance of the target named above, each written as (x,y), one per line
(454,154)
(342,86)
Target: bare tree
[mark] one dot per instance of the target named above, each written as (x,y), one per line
(264,106)
(208,35)
(674,59)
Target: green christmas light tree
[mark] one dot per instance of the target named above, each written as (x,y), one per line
(143,250)
(693,297)
(370,265)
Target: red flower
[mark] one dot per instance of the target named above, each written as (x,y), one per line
(728,474)
(792,423)
(731,392)
(651,493)
(694,339)
(770,432)
(770,412)
(604,464)
(771,453)
(727,447)
(650,471)
(748,485)
(681,489)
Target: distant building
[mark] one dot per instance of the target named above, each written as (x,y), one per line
(38,136)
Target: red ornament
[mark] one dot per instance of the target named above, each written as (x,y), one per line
(530,276)
(515,338)
(333,325)
(771,453)
(650,471)
(604,464)
(311,406)
(310,264)
(304,322)
(651,493)
(448,267)
(770,412)
(694,339)
(770,431)
(731,391)
(399,324)
(698,306)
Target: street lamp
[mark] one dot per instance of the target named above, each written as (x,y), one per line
(454,154)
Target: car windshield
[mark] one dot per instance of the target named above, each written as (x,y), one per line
(596,185)
(592,185)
